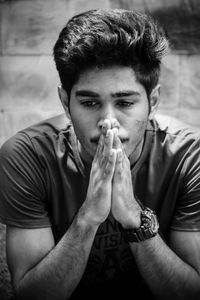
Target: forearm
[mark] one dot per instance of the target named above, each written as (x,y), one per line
(164,272)
(57,274)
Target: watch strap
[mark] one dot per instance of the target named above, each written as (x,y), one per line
(148,228)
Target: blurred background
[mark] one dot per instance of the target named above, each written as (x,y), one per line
(28,77)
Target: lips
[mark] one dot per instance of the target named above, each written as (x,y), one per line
(95,140)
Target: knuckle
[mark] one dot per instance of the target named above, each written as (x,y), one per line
(107,171)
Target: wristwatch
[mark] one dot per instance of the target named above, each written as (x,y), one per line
(148,228)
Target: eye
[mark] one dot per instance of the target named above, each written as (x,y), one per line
(89,103)
(125,104)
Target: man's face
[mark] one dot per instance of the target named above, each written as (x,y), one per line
(110,93)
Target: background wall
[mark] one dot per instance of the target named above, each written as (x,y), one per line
(28,78)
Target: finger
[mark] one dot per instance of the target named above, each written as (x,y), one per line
(108,143)
(125,157)
(107,148)
(110,165)
(119,163)
(106,125)
(120,156)
(116,140)
(99,149)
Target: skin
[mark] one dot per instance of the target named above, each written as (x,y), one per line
(111,137)
(109,98)
(115,106)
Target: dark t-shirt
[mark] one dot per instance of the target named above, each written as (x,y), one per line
(44,182)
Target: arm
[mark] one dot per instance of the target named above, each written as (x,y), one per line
(40,269)
(172,271)
(169,270)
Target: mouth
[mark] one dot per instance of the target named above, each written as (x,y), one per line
(95,140)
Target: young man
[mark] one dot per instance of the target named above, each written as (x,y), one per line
(104,203)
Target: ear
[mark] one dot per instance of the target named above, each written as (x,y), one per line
(154,100)
(64,100)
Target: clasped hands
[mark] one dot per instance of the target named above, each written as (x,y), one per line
(110,185)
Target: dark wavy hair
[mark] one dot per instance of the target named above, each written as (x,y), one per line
(104,38)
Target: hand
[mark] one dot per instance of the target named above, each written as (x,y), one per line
(125,208)
(98,200)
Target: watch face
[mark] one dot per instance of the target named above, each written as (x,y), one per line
(150,220)
(148,228)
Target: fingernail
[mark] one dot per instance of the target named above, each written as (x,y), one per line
(119,152)
(109,132)
(112,151)
(115,130)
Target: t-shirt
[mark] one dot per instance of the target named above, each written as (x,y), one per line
(44,182)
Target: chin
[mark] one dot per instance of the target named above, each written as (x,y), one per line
(90,153)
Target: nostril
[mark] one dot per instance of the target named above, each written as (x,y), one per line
(115,124)
(104,124)
(100,124)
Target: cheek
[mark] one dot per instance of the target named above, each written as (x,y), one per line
(84,122)
(82,126)
(77,118)
(137,120)
(141,127)
(137,131)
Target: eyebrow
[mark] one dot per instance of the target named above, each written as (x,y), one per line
(125,94)
(87,93)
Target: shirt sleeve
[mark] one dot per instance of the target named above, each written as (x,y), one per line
(187,214)
(22,185)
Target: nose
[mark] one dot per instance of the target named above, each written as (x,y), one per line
(108,117)
(108,121)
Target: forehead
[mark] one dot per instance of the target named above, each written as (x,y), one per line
(109,80)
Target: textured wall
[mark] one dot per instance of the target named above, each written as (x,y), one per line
(28,79)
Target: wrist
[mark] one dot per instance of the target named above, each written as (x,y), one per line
(148,228)
(132,219)
(87,219)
